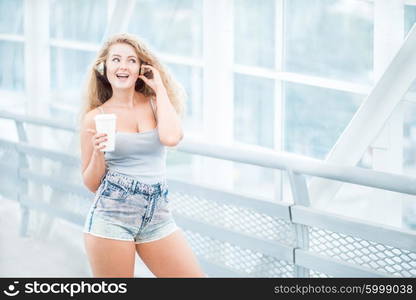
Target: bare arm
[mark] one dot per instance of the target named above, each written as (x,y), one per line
(92,159)
(169,122)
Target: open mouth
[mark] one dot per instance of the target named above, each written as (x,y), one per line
(122,76)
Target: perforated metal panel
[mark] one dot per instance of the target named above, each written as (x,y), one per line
(379,257)
(246,262)
(243,261)
(9,180)
(239,219)
(8,155)
(317,274)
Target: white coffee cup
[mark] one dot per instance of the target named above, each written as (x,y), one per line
(106,123)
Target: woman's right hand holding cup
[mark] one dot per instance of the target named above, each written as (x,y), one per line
(97,140)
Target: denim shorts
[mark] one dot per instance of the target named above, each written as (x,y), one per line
(127,209)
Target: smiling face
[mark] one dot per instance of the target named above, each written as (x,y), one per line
(122,66)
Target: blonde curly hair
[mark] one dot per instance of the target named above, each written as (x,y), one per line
(98,89)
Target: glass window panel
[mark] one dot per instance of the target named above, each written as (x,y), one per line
(12,70)
(69,68)
(191,80)
(409,17)
(256,181)
(254,33)
(254,124)
(254,110)
(173,27)
(315,118)
(409,161)
(11,16)
(409,132)
(409,20)
(78,20)
(330,38)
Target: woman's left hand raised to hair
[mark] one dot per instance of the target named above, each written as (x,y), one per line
(169,123)
(156,82)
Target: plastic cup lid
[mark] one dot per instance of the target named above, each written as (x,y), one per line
(105,117)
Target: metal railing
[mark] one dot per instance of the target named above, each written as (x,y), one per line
(234,234)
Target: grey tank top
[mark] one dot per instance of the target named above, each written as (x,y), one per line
(138,154)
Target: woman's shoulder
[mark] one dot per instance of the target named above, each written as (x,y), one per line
(89,116)
(93,112)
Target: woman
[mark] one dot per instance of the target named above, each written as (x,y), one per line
(131,212)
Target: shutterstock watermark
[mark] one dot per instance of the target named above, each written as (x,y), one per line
(71,289)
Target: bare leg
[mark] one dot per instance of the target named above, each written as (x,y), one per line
(170,257)
(110,258)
